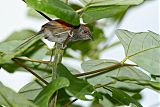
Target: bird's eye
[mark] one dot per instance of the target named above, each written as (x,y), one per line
(85,31)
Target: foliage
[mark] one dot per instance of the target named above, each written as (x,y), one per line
(10,98)
(108,81)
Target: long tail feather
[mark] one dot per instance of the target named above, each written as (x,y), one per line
(37,36)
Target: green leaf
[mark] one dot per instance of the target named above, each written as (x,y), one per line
(122,97)
(137,96)
(63,97)
(37,51)
(100,101)
(57,8)
(32,89)
(10,49)
(78,87)
(145,83)
(7,49)
(132,105)
(130,71)
(96,104)
(9,98)
(8,46)
(92,65)
(105,102)
(85,2)
(113,2)
(156,77)
(21,35)
(73,70)
(43,98)
(11,67)
(104,76)
(34,14)
(142,48)
(98,9)
(92,14)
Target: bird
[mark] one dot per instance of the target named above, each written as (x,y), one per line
(62,33)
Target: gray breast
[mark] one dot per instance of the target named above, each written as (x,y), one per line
(56,37)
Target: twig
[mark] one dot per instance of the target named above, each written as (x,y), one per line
(118,65)
(51,58)
(28,69)
(32,60)
(99,86)
(79,11)
(57,59)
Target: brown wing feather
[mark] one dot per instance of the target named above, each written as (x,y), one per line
(55,26)
(58,24)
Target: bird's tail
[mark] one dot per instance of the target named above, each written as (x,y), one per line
(31,40)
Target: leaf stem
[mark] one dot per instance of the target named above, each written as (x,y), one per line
(57,59)
(28,69)
(112,67)
(32,60)
(100,86)
(79,11)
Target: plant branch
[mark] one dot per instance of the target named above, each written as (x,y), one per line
(112,67)
(32,60)
(57,59)
(100,86)
(79,11)
(28,69)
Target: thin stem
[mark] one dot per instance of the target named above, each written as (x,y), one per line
(124,60)
(79,11)
(51,58)
(28,69)
(118,65)
(57,59)
(32,60)
(100,86)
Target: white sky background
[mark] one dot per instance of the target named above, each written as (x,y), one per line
(13,17)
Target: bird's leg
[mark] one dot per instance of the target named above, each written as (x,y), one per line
(70,34)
